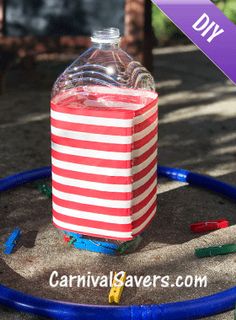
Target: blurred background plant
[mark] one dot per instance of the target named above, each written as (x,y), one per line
(167,33)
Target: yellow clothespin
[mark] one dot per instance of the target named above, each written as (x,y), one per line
(117,288)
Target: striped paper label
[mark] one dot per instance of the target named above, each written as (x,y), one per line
(104,161)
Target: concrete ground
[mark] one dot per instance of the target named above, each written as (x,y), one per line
(196,132)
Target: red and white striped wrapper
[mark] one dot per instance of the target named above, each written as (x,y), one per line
(104,161)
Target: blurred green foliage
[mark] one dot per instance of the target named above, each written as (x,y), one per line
(167,33)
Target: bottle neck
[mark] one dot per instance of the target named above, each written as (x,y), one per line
(106,39)
(106,46)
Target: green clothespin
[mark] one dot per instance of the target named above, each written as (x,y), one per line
(215,251)
(45,189)
(72,240)
(130,246)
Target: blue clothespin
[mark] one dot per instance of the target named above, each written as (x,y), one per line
(79,242)
(96,246)
(12,241)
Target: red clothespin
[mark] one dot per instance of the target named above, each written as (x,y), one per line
(211,225)
(66,238)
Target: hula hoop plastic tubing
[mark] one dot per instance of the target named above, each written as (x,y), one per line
(24,177)
(186,310)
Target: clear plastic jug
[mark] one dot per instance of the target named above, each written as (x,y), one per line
(104,143)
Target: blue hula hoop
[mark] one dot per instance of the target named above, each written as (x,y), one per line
(185,310)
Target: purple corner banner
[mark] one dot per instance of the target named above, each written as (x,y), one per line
(207,27)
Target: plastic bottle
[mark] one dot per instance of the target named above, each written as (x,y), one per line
(105,64)
(104,143)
